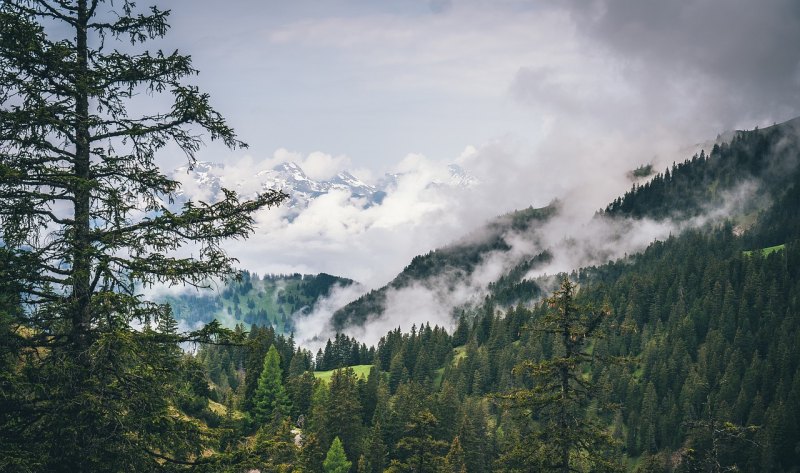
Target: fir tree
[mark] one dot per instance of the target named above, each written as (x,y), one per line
(565,439)
(270,397)
(374,450)
(84,215)
(275,447)
(454,461)
(336,460)
(419,451)
(343,411)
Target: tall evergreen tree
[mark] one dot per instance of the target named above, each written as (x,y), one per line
(270,397)
(83,209)
(565,439)
(343,411)
(336,460)
(454,461)
(418,449)
(374,450)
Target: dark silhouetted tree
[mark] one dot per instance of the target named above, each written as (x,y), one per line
(564,438)
(85,214)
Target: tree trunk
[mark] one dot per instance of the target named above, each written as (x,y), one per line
(562,421)
(81,244)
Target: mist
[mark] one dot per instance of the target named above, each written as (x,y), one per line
(539,101)
(573,238)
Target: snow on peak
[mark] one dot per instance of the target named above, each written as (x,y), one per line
(208,178)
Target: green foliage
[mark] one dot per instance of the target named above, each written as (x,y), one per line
(253,300)
(343,351)
(644,170)
(454,462)
(417,449)
(766,157)
(275,448)
(343,411)
(84,225)
(563,438)
(336,460)
(270,398)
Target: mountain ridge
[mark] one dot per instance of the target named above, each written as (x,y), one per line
(688,190)
(208,179)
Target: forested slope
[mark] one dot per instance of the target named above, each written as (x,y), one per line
(454,263)
(696,367)
(254,300)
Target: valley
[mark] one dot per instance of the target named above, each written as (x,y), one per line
(441,236)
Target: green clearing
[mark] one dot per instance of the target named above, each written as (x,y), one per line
(766,251)
(362,371)
(437,377)
(459,353)
(220,409)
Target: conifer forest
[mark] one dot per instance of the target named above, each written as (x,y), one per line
(683,356)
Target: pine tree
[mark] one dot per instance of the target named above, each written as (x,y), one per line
(336,460)
(343,410)
(418,449)
(374,450)
(300,390)
(270,397)
(561,394)
(454,461)
(86,219)
(461,334)
(474,436)
(275,447)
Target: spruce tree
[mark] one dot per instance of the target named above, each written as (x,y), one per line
(418,449)
(88,218)
(270,397)
(343,411)
(564,437)
(336,460)
(454,461)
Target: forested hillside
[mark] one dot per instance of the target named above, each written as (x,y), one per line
(254,300)
(681,356)
(454,263)
(765,158)
(692,365)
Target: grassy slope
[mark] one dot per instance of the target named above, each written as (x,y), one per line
(362,371)
(766,251)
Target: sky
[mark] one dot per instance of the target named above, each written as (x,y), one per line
(539,100)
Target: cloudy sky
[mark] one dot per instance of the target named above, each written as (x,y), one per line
(537,99)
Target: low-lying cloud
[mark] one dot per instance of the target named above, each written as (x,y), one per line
(572,240)
(576,94)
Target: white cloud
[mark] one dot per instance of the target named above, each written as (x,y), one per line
(471,50)
(341,235)
(558,100)
(312,330)
(321,166)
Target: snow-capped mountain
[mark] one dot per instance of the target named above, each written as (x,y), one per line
(460,178)
(456,177)
(207,179)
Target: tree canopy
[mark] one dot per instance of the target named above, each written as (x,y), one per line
(86,219)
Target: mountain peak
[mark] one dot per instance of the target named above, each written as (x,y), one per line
(291,178)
